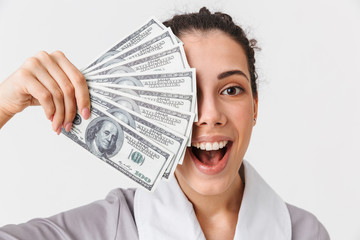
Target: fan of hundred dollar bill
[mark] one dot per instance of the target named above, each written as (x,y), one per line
(143,104)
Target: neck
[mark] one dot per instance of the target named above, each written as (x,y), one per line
(210,206)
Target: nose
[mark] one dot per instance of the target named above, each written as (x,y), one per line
(210,112)
(108,137)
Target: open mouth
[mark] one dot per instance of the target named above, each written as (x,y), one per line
(210,157)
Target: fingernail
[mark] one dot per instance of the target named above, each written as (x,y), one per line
(58,131)
(68,127)
(51,118)
(85,112)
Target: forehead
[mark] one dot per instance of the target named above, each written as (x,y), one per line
(108,126)
(214,50)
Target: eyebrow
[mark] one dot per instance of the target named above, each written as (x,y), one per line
(230,73)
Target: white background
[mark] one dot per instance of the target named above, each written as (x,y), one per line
(305,143)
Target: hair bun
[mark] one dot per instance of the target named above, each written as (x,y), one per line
(224,17)
(204,11)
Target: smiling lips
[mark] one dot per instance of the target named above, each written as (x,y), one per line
(210,157)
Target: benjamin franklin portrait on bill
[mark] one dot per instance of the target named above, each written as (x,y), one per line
(104,137)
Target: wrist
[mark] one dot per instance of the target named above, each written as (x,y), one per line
(4,116)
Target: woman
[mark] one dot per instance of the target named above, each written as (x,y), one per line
(215,195)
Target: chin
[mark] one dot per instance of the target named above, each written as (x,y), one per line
(209,172)
(202,184)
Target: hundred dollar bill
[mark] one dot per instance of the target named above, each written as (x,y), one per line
(175,119)
(183,101)
(121,146)
(165,137)
(169,59)
(179,81)
(164,40)
(151,28)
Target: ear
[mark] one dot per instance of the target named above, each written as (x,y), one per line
(255,105)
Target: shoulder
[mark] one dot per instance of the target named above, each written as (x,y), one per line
(101,218)
(123,197)
(116,200)
(120,193)
(110,218)
(305,225)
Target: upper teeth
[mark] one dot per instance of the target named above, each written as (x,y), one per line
(208,146)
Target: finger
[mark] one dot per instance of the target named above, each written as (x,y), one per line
(65,85)
(78,81)
(43,76)
(40,96)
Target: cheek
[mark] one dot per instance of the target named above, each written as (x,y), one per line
(186,171)
(240,119)
(186,164)
(101,136)
(239,113)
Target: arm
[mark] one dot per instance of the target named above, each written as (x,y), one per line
(49,80)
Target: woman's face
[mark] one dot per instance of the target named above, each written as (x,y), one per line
(226,109)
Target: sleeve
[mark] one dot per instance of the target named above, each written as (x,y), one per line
(305,226)
(111,218)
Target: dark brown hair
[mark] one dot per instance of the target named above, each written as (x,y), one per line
(204,20)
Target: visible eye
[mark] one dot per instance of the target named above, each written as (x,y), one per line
(232,91)
(107,132)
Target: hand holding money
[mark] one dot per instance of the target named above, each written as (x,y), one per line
(49,80)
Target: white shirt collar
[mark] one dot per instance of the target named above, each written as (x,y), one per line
(168,214)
